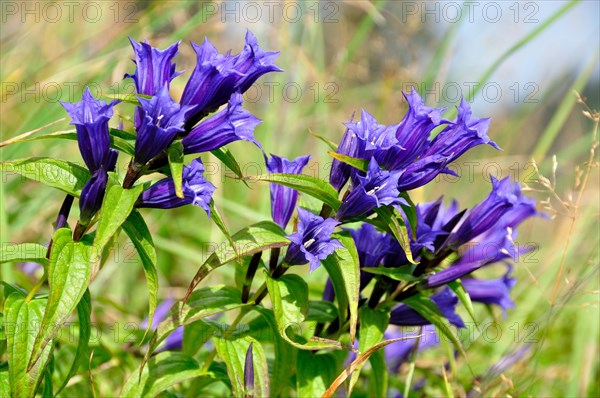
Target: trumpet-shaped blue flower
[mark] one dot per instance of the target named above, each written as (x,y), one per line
(412,134)
(421,172)
(92,195)
(231,124)
(493,291)
(196,190)
(312,241)
(283,199)
(90,117)
(435,222)
(217,76)
(160,120)
(446,301)
(378,188)
(505,206)
(461,135)
(374,135)
(491,247)
(153,67)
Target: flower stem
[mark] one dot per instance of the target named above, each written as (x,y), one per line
(274,259)
(133,173)
(79,231)
(252,267)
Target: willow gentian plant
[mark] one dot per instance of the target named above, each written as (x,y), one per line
(397,271)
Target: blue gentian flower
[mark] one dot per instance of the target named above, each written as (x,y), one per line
(505,206)
(461,135)
(312,241)
(421,172)
(90,117)
(435,222)
(378,188)
(415,128)
(217,76)
(231,124)
(160,120)
(493,291)
(412,134)
(283,199)
(446,301)
(493,246)
(92,195)
(196,190)
(153,67)
(374,135)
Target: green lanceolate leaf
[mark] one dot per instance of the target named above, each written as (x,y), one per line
(332,145)
(12,253)
(126,135)
(372,326)
(410,211)
(289,295)
(215,215)
(378,379)
(359,164)
(66,176)
(130,98)
(343,269)
(21,319)
(84,310)
(233,353)
(116,207)
(116,142)
(312,186)
(247,242)
(162,371)
(392,219)
(430,311)
(315,372)
(462,294)
(225,156)
(135,227)
(398,274)
(69,272)
(175,155)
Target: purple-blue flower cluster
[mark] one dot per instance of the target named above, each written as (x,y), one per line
(159,120)
(406,148)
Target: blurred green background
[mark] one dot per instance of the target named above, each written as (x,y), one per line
(517,62)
